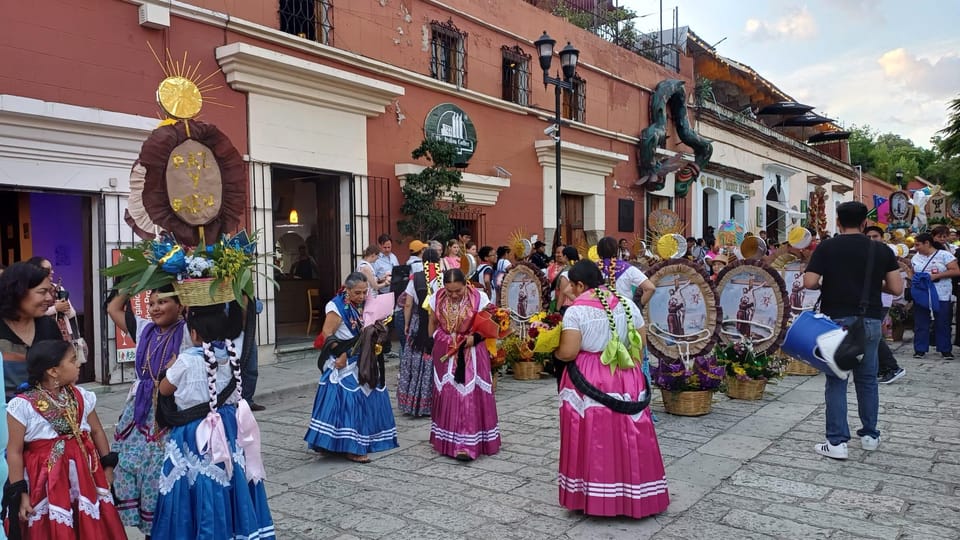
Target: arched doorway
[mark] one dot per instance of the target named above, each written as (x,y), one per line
(710,210)
(775,218)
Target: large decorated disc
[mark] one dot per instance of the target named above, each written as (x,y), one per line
(681,315)
(524,290)
(754,304)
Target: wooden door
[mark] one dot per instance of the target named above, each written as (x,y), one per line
(571,215)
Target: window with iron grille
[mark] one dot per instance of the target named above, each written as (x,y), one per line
(574,103)
(309,19)
(448,59)
(516,75)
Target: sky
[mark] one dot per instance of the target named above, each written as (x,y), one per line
(890,64)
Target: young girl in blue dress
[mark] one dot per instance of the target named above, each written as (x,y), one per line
(211,480)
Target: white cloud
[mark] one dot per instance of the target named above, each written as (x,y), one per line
(799,24)
(935,78)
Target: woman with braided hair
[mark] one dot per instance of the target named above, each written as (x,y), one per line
(621,275)
(610,461)
(211,481)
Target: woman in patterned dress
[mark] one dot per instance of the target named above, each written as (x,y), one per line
(464,418)
(138,438)
(610,461)
(415,387)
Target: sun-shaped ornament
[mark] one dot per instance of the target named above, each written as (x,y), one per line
(179,97)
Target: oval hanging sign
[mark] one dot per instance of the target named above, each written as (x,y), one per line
(450,123)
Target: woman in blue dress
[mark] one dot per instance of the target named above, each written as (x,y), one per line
(211,479)
(348,418)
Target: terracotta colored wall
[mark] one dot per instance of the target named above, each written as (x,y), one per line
(873,186)
(94,54)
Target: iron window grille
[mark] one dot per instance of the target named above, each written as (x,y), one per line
(516,75)
(448,59)
(574,103)
(309,19)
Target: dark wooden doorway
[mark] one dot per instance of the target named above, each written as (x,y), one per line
(571,217)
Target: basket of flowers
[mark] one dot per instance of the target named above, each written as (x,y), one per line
(747,371)
(688,391)
(792,366)
(203,275)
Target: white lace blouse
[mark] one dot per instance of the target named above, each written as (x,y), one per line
(629,280)
(593,326)
(189,375)
(38,428)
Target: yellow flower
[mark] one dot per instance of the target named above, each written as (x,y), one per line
(538,317)
(739,370)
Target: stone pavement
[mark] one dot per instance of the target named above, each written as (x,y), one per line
(747,470)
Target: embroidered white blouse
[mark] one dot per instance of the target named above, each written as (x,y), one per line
(189,375)
(594,327)
(38,428)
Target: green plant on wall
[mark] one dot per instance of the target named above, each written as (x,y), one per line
(426,216)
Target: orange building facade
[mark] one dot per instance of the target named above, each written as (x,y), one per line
(325,99)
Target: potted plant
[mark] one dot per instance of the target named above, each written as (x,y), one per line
(747,371)
(899,314)
(520,358)
(688,391)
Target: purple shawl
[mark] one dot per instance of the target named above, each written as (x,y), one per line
(160,347)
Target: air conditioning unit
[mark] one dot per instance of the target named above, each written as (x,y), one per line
(154,16)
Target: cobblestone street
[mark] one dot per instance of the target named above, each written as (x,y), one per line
(747,470)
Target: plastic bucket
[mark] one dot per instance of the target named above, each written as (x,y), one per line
(812,338)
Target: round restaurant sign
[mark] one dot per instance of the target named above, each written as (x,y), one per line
(450,123)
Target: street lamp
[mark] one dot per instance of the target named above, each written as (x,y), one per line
(568,64)
(900,178)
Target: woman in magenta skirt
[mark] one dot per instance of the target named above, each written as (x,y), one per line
(610,462)
(464,413)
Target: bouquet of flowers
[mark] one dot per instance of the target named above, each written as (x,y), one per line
(741,361)
(544,332)
(674,375)
(493,324)
(516,350)
(224,270)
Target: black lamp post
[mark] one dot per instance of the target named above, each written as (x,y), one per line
(900,178)
(568,63)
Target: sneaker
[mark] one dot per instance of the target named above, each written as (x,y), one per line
(888,377)
(838,451)
(947,355)
(917,354)
(869,443)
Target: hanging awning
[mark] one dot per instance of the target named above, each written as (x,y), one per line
(807,119)
(827,136)
(777,205)
(787,108)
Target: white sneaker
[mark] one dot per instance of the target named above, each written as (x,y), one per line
(869,443)
(838,451)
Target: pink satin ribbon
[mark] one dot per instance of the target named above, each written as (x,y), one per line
(212,439)
(248,438)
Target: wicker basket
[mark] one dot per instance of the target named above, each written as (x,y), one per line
(196,292)
(796,367)
(687,403)
(749,389)
(526,371)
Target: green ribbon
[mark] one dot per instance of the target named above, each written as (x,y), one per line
(616,354)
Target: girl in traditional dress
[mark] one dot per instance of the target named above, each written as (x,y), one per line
(60,461)
(415,389)
(348,417)
(211,481)
(610,462)
(464,414)
(138,438)
(621,275)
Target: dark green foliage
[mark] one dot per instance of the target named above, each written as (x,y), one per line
(427,216)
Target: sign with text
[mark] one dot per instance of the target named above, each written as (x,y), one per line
(126,347)
(449,123)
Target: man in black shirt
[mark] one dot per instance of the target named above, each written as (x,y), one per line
(838,267)
(538,257)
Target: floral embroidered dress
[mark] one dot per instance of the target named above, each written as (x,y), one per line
(415,385)
(68,488)
(138,440)
(464,418)
(610,462)
(211,480)
(350,417)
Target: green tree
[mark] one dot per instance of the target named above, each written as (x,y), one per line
(424,192)
(944,170)
(950,145)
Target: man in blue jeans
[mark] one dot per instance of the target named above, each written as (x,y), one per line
(838,267)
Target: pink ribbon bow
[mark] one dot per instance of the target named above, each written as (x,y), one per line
(212,439)
(248,438)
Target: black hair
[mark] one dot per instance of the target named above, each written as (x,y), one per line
(215,323)
(571,253)
(15,282)
(211,323)
(464,232)
(166,290)
(470,244)
(383,238)
(851,214)
(502,251)
(37,261)
(925,237)
(607,247)
(430,256)
(586,272)
(873,228)
(44,355)
(454,275)
(484,252)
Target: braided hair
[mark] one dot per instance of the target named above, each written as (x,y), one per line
(216,323)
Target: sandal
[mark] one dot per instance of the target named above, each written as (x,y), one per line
(357,459)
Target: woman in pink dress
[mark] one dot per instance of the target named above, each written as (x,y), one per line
(610,462)
(464,413)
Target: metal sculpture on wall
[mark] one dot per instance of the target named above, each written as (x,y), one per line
(653,172)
